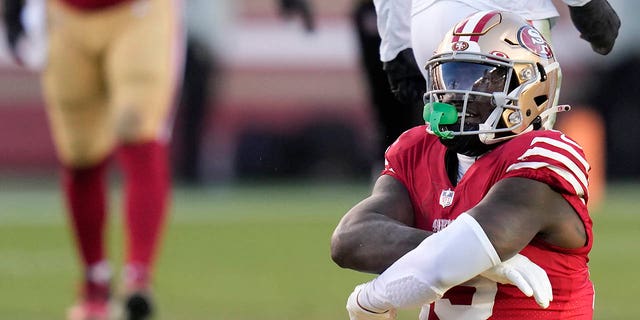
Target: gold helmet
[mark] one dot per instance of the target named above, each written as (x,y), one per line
(494,76)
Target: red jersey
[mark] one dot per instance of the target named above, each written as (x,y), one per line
(417,159)
(92,4)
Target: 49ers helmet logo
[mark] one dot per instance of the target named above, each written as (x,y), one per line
(460,46)
(531,39)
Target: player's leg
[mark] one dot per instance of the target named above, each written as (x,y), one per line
(145,65)
(81,127)
(393,117)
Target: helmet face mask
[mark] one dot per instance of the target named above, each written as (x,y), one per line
(500,80)
(469,87)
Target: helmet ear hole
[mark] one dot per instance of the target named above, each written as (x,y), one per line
(539,100)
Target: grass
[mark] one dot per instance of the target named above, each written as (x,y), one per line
(252,252)
(615,259)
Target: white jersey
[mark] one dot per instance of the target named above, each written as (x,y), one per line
(396,19)
(529,9)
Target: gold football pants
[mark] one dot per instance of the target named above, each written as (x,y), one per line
(111,76)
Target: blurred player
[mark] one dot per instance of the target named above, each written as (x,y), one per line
(482,182)
(109,84)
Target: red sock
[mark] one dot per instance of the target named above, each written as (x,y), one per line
(147,183)
(85,193)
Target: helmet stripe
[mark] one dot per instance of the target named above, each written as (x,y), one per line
(458,31)
(481,24)
(473,25)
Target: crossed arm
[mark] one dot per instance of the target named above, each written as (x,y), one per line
(377,234)
(377,231)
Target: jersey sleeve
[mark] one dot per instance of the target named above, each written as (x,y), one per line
(576,3)
(394,27)
(554,159)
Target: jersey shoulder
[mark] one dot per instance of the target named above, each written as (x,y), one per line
(532,137)
(549,156)
(544,142)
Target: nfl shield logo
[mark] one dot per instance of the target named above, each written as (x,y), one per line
(446,197)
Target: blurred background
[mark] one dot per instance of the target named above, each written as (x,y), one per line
(274,139)
(265,97)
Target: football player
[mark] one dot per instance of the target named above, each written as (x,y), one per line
(482,188)
(400,48)
(109,84)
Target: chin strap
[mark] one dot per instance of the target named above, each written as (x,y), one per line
(438,113)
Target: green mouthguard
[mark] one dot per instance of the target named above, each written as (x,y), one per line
(438,113)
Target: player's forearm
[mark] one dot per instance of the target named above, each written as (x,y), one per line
(14,28)
(12,9)
(374,244)
(450,257)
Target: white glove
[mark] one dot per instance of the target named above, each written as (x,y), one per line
(524,274)
(357,312)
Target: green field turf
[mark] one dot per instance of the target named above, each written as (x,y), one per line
(253,252)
